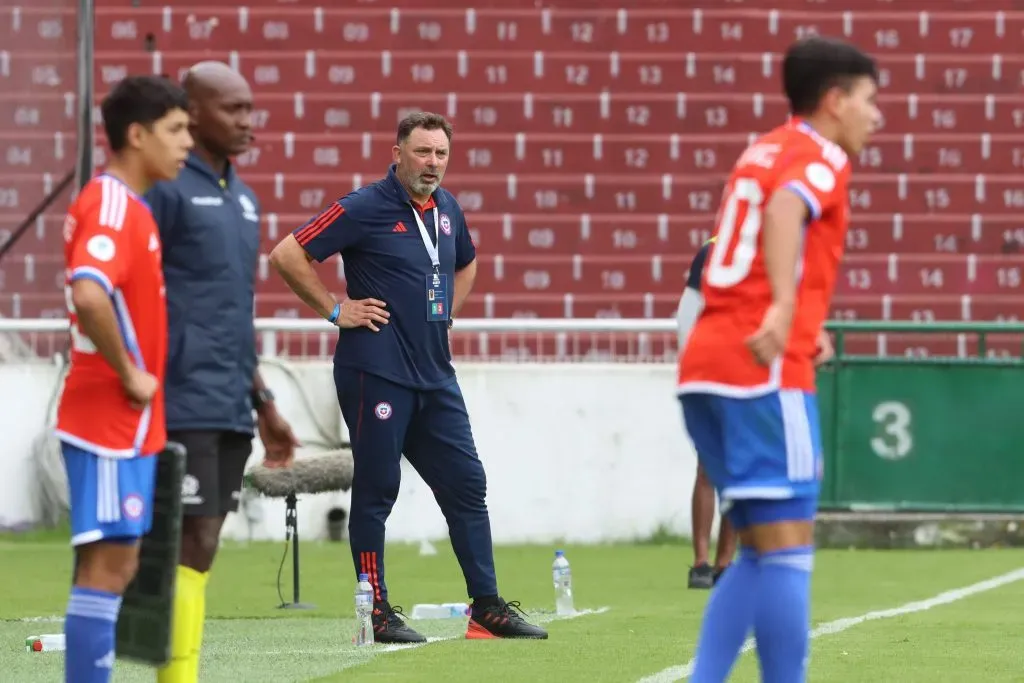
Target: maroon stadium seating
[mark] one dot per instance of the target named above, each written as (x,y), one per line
(590,143)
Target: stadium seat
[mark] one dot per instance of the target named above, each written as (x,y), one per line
(591,143)
(611,113)
(38,132)
(577,192)
(22,192)
(40,113)
(48,305)
(418,28)
(304,153)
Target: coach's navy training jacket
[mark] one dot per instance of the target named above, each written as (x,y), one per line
(210,231)
(375,231)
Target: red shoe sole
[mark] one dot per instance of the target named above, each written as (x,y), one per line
(477,632)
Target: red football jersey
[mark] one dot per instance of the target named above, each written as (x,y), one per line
(735,285)
(110,237)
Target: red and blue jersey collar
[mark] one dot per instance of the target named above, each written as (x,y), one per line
(800,124)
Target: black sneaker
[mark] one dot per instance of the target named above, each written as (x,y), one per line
(702,576)
(389,627)
(718,574)
(501,620)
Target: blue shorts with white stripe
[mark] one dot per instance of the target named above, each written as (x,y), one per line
(111,499)
(765,448)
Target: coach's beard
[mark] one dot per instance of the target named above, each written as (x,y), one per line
(423,187)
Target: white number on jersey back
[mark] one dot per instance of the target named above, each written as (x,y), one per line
(748,192)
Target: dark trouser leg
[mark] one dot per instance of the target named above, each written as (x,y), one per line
(702,510)
(726,544)
(377,413)
(213,478)
(439,444)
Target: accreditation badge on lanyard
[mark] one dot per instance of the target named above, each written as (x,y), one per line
(437,283)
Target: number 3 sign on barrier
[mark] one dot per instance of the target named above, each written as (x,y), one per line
(894,421)
(923,436)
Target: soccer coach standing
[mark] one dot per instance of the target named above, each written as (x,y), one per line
(409,265)
(210,231)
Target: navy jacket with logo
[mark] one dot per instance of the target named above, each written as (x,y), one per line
(210,231)
(375,231)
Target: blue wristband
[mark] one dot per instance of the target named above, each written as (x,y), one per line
(333,318)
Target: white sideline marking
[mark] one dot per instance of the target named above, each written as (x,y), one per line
(545,618)
(678,673)
(383,649)
(379,649)
(539,619)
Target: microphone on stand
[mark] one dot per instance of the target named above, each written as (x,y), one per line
(331,471)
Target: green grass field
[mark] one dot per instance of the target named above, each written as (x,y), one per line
(649,626)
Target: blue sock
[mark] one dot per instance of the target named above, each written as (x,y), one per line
(728,619)
(89,629)
(782,617)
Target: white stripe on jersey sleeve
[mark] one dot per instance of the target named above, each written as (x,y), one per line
(113,203)
(131,339)
(809,199)
(94,274)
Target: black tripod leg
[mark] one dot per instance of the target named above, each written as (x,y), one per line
(291,524)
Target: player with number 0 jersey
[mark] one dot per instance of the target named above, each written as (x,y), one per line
(736,284)
(747,374)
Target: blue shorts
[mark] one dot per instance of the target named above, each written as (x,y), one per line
(111,499)
(762,454)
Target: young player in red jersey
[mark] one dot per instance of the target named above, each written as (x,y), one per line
(747,374)
(111,414)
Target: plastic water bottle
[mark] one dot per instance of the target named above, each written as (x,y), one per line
(448,610)
(562,575)
(51,642)
(364,611)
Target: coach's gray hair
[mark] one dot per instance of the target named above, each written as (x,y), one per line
(426,120)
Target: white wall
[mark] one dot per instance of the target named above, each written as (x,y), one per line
(25,392)
(574,452)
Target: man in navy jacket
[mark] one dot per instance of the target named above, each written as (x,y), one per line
(210,233)
(409,265)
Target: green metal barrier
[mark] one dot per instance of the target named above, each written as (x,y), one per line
(941,433)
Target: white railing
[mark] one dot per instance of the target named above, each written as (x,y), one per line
(499,339)
(528,325)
